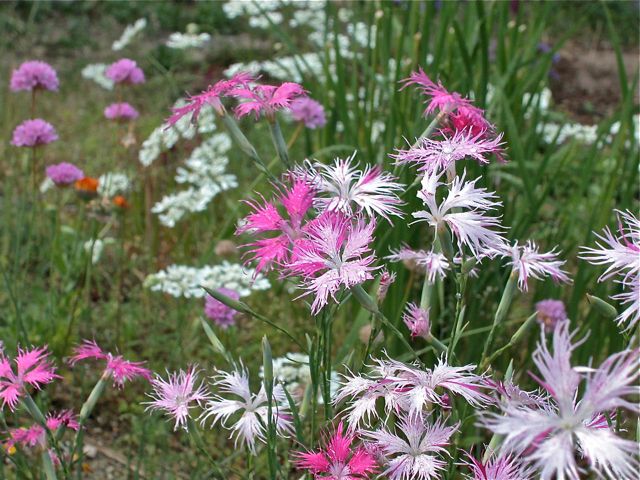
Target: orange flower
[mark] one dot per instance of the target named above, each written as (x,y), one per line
(120,201)
(87,185)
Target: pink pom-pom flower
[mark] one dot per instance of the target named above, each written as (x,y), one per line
(34,75)
(120,111)
(64,173)
(33,133)
(125,71)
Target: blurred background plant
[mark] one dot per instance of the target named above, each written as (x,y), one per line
(559,78)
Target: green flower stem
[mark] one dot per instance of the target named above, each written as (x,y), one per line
(501,313)
(47,466)
(279,142)
(513,341)
(85,411)
(198,441)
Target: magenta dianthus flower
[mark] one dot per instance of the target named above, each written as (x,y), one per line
(33,368)
(33,133)
(336,253)
(64,173)
(222,315)
(120,111)
(339,460)
(34,75)
(308,111)
(550,313)
(211,96)
(342,187)
(125,71)
(441,98)
(570,421)
(176,395)
(266,99)
(296,200)
(435,156)
(119,369)
(504,467)
(417,321)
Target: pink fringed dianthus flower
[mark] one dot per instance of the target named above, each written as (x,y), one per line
(64,173)
(417,321)
(119,369)
(32,368)
(120,111)
(211,96)
(34,75)
(339,460)
(223,315)
(266,99)
(296,200)
(435,156)
(33,133)
(569,421)
(336,253)
(308,111)
(434,264)
(125,71)
(503,467)
(441,99)
(177,394)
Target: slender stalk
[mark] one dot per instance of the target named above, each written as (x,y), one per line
(85,411)
(47,466)
(279,142)
(501,313)
(198,441)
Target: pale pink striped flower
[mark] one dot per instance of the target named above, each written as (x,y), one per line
(246,414)
(177,395)
(414,449)
(265,99)
(32,368)
(339,460)
(336,253)
(497,467)
(529,263)
(620,252)
(435,156)
(434,264)
(417,321)
(464,210)
(441,99)
(289,232)
(119,369)
(345,188)
(569,422)
(211,96)
(630,297)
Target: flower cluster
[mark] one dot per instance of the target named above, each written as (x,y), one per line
(34,75)
(34,133)
(64,173)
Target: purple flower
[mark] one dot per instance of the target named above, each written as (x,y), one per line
(342,187)
(32,133)
(336,253)
(64,173)
(464,211)
(550,313)
(308,111)
(177,395)
(221,314)
(412,451)
(125,71)
(435,156)
(570,421)
(34,75)
(120,111)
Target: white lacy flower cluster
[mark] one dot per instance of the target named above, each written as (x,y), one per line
(293,371)
(113,183)
(95,72)
(310,15)
(186,281)
(205,173)
(190,39)
(129,33)
(162,138)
